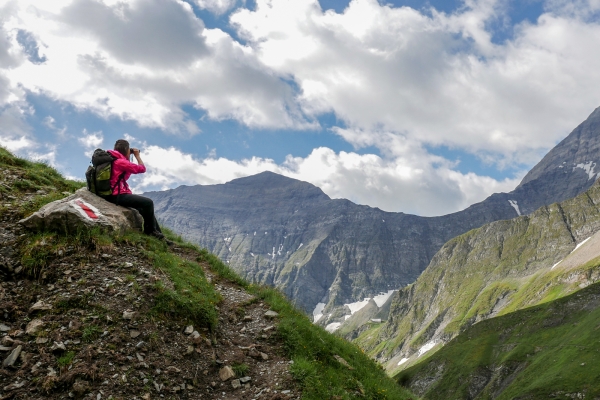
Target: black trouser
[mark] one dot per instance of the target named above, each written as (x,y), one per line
(143,204)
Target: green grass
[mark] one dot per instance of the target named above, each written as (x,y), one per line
(193,297)
(90,333)
(66,359)
(240,370)
(544,350)
(38,250)
(34,176)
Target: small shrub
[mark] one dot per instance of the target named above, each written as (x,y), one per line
(240,370)
(66,359)
(90,333)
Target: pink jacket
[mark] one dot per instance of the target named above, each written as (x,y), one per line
(122,166)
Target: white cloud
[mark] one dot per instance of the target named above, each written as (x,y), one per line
(91,141)
(399,79)
(436,78)
(216,6)
(15,144)
(395,185)
(142,60)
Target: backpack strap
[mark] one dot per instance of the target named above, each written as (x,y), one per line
(118,185)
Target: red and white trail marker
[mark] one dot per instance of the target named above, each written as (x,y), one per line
(85,209)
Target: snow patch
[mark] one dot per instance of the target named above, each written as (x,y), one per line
(588,167)
(514,205)
(402,361)
(333,327)
(301,244)
(354,307)
(426,347)
(346,317)
(318,312)
(252,254)
(580,244)
(273,253)
(381,298)
(555,265)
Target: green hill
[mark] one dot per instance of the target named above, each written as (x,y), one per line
(499,268)
(547,351)
(82,343)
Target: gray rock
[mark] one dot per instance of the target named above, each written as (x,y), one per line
(189,330)
(58,347)
(245,379)
(40,306)
(34,326)
(4,328)
(128,315)
(271,314)
(83,210)
(12,357)
(236,383)
(226,373)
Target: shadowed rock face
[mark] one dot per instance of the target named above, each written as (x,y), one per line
(287,233)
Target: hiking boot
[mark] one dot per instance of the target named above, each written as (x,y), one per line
(158,235)
(162,238)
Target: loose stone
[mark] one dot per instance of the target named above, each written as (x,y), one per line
(12,357)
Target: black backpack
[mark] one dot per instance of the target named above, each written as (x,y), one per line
(98,174)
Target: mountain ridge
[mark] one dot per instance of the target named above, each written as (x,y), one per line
(501,267)
(332,251)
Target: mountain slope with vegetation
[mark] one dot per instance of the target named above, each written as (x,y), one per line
(546,351)
(330,252)
(496,269)
(125,316)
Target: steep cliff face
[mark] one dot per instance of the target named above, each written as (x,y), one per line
(569,168)
(499,268)
(289,234)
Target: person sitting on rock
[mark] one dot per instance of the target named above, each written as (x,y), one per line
(122,169)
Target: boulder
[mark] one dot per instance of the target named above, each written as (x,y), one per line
(83,210)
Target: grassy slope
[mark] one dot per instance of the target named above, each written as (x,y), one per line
(312,348)
(509,259)
(546,351)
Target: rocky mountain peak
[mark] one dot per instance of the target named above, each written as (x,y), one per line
(581,149)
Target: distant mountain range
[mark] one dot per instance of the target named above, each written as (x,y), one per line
(324,253)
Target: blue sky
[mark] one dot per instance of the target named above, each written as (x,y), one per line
(417,106)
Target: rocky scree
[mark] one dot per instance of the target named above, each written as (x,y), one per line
(85,326)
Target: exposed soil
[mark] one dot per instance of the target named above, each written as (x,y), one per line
(84,330)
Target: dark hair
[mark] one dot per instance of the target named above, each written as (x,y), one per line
(122,146)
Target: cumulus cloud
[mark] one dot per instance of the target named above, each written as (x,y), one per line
(216,6)
(391,185)
(437,78)
(143,60)
(398,79)
(91,141)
